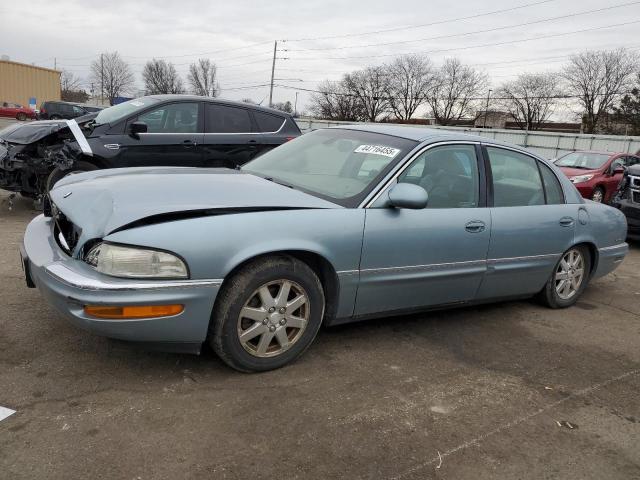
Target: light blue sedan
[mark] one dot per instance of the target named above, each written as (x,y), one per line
(336,226)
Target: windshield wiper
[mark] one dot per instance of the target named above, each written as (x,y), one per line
(279,183)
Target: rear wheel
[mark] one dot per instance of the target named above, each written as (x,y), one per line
(598,195)
(21,116)
(267,314)
(58,174)
(569,278)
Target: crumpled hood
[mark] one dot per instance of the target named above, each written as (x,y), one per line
(26,133)
(102,201)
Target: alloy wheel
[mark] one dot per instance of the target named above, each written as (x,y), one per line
(569,274)
(598,196)
(274,318)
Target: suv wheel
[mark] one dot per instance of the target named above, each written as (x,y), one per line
(267,314)
(21,116)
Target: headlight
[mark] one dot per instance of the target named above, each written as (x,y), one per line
(134,262)
(581,178)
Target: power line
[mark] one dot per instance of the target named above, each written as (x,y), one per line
(469,47)
(454,35)
(411,27)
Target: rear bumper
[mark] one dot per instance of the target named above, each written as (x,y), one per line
(631,210)
(69,284)
(609,258)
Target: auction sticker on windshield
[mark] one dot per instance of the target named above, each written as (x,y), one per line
(378,150)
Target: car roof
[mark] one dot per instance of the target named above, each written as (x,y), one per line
(422,134)
(164,98)
(602,152)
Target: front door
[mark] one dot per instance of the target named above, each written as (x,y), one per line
(173,138)
(433,256)
(531,226)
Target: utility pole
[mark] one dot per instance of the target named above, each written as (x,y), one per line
(55,63)
(486,109)
(295,106)
(273,69)
(101,79)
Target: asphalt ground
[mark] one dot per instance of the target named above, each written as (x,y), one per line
(511,390)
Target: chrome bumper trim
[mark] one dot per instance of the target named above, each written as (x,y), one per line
(614,247)
(76,280)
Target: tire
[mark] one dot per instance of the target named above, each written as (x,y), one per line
(553,294)
(21,116)
(58,174)
(598,195)
(262,348)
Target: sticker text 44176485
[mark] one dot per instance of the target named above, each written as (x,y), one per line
(378,150)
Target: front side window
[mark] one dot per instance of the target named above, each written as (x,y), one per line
(340,165)
(172,118)
(449,174)
(516,179)
(226,119)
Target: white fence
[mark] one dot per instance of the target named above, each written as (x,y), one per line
(546,144)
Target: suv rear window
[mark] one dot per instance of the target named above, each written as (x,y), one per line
(267,122)
(227,119)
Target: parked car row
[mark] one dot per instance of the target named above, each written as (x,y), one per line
(338,225)
(54,110)
(13,110)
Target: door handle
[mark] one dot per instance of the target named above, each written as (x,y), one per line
(189,143)
(475,226)
(566,221)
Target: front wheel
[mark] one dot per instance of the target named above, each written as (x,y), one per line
(569,278)
(21,116)
(267,314)
(598,195)
(58,174)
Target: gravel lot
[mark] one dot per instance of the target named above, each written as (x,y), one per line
(476,392)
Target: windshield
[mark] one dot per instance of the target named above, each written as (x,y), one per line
(584,160)
(123,110)
(337,165)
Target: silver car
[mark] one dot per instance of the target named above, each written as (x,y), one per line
(335,226)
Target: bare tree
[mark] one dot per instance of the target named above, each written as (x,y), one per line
(284,106)
(371,89)
(161,77)
(71,88)
(334,102)
(69,81)
(111,73)
(598,78)
(455,88)
(530,99)
(202,78)
(410,79)
(629,109)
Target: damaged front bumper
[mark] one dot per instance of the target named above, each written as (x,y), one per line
(29,152)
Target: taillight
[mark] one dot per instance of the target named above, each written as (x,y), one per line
(290,138)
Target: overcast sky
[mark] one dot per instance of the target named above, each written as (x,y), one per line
(238,35)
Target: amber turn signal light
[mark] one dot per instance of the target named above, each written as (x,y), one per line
(132,311)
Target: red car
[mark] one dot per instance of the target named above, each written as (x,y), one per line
(16,111)
(596,175)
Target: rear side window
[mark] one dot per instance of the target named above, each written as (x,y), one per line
(172,118)
(516,179)
(226,119)
(551,185)
(267,122)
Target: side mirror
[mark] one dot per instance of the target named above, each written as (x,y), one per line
(137,128)
(619,170)
(408,195)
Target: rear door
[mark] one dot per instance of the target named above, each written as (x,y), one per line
(230,137)
(531,226)
(273,131)
(173,138)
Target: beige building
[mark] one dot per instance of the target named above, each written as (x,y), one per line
(20,83)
